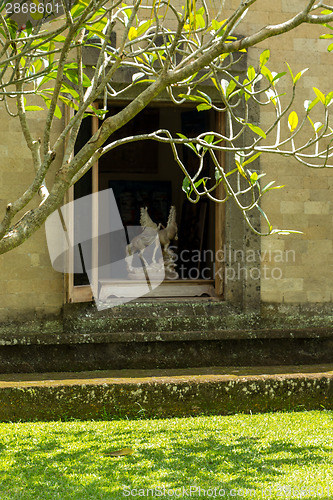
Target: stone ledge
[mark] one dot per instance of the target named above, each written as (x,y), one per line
(169,320)
(164,393)
(40,358)
(167,336)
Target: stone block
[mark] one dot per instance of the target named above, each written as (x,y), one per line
(318,296)
(292,207)
(323,194)
(318,232)
(271,296)
(294,297)
(320,247)
(293,271)
(316,207)
(295,222)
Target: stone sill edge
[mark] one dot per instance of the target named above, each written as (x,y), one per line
(166,336)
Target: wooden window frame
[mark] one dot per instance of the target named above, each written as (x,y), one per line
(85,293)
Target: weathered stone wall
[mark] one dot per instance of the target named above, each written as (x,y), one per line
(29,285)
(298,267)
(294,268)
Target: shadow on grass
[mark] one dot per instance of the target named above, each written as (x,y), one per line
(72,465)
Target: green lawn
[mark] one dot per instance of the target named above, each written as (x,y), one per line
(240,456)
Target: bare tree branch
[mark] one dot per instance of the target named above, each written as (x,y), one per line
(192,58)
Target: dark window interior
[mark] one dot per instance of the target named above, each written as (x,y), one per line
(145,174)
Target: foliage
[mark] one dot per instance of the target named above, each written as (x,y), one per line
(280,455)
(191,52)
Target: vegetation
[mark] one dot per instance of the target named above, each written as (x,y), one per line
(277,455)
(188,49)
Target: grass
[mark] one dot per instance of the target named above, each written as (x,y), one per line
(244,456)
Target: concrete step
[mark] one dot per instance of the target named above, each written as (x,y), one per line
(77,352)
(164,393)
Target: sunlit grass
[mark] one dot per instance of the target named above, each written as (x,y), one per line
(244,456)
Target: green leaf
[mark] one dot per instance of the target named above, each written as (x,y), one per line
(51,56)
(189,144)
(240,169)
(285,231)
(269,187)
(209,138)
(292,121)
(59,38)
(36,15)
(216,25)
(34,108)
(101,113)
(97,26)
(215,83)
(239,157)
(65,88)
(247,88)
(231,172)
(256,130)
(127,12)
(73,77)
(265,217)
(132,33)
(328,99)
(50,76)
(68,102)
(57,112)
(37,65)
(203,107)
(137,76)
(330,47)
(143,26)
(264,56)
(231,87)
(28,27)
(313,103)
(12,27)
(291,73)
(78,8)
(267,74)
(218,174)
(192,97)
(298,76)
(203,181)
(205,96)
(251,159)
(186,186)
(95,33)
(277,77)
(319,94)
(251,74)
(328,35)
(200,22)
(253,177)
(318,126)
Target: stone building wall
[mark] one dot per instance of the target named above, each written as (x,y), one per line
(28,284)
(298,268)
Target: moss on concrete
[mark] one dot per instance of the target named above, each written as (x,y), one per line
(176,333)
(165,395)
